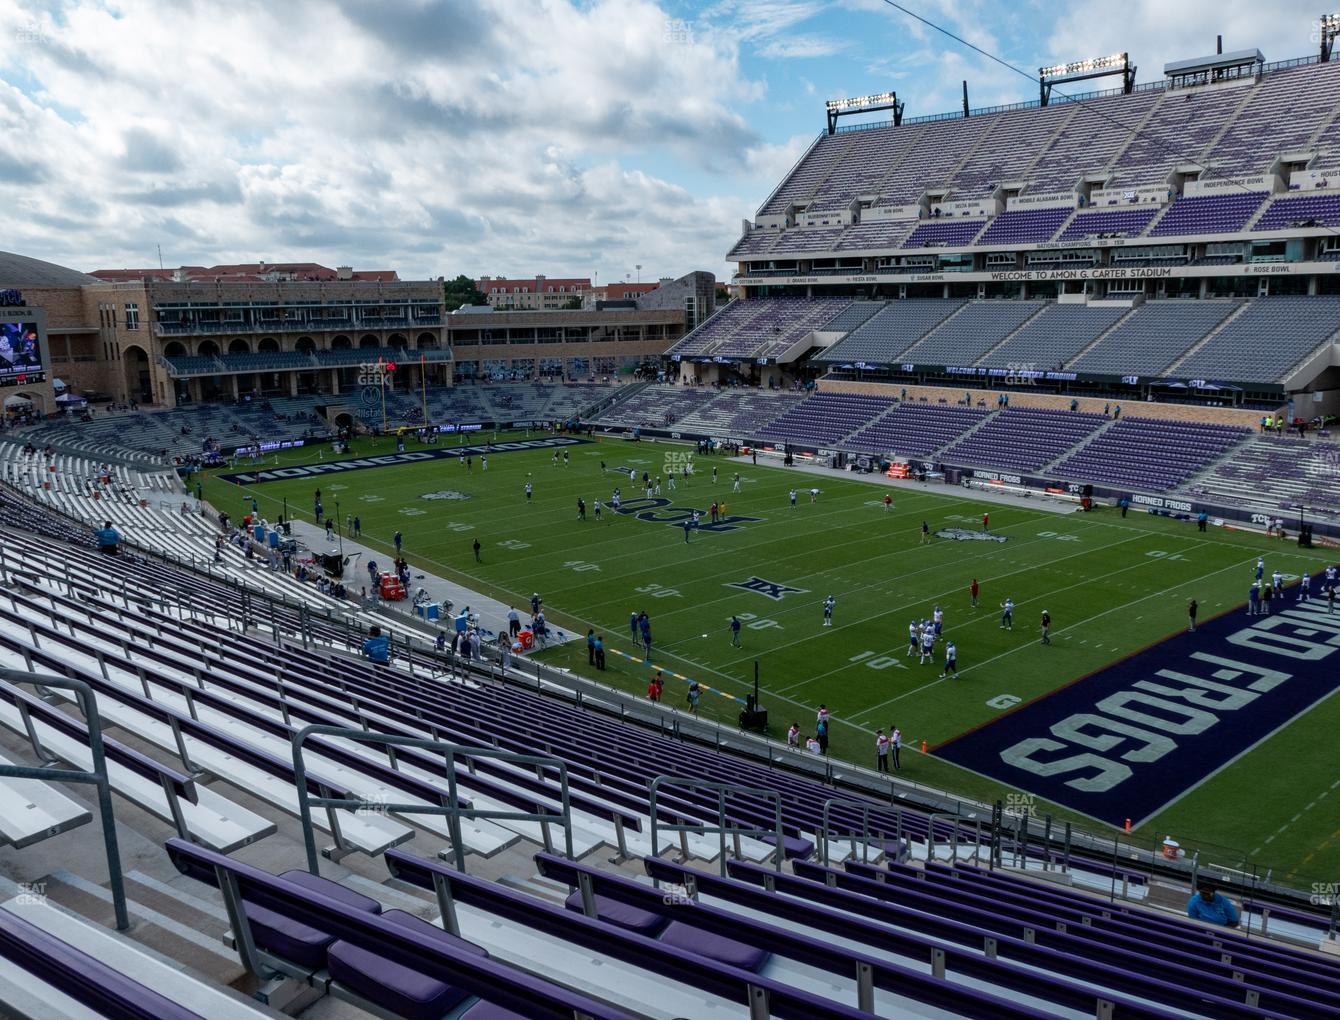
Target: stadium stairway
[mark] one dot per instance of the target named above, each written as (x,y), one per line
(1072,451)
(1102,336)
(965,434)
(1171,370)
(1011,334)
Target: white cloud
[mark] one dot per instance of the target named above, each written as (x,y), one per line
(1155,33)
(433,137)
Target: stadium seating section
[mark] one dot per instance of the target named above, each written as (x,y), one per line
(1238,131)
(896,922)
(1213,339)
(555,891)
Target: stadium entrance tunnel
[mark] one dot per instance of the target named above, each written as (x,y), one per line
(17,400)
(138,383)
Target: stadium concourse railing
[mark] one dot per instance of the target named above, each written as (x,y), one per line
(960,832)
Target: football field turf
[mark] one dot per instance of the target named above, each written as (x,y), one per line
(1247,773)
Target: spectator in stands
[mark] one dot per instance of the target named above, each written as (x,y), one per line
(1212,907)
(377,648)
(108,538)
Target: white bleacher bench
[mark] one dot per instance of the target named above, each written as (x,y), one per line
(31,995)
(213,821)
(31,810)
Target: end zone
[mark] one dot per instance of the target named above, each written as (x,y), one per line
(1132,738)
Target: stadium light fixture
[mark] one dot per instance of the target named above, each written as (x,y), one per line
(836,108)
(860,101)
(1330,28)
(1080,70)
(1116,60)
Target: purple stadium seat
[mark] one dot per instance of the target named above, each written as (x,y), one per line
(400,989)
(689,939)
(644,922)
(304,945)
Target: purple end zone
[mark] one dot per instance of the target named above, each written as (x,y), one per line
(1131,738)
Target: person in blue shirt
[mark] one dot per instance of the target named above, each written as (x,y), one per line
(377,648)
(107,538)
(632,625)
(735,631)
(1212,907)
(1254,601)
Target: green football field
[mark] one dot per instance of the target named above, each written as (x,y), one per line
(1111,585)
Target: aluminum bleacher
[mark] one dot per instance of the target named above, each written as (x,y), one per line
(1023,439)
(1153,337)
(208,700)
(1266,339)
(1151,455)
(1054,335)
(891,331)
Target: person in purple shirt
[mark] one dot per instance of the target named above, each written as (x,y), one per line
(1212,907)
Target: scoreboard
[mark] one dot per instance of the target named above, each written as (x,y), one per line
(24,353)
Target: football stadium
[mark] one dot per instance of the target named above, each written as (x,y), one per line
(936,618)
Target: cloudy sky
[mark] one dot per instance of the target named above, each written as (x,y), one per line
(502,137)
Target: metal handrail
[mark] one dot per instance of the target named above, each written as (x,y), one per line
(88,706)
(722,828)
(452,809)
(865,834)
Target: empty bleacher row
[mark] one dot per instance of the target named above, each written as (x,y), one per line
(1251,340)
(759,330)
(1153,455)
(147,510)
(182,431)
(1048,149)
(1124,453)
(214,707)
(1023,439)
(1303,474)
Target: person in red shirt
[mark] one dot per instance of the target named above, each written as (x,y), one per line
(986,519)
(973,588)
(655,687)
(888,502)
